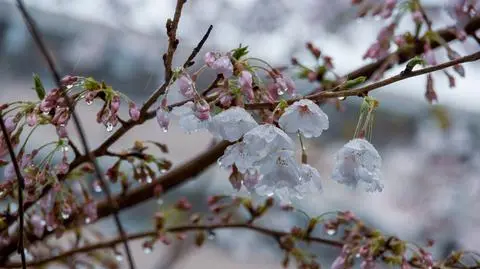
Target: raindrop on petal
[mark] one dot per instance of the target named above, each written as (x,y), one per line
(331,231)
(109,127)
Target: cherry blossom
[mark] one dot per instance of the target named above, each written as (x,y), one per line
(220,63)
(232,124)
(266,139)
(133,111)
(163,118)
(358,162)
(193,116)
(38,225)
(281,84)
(238,155)
(306,117)
(281,176)
(245,81)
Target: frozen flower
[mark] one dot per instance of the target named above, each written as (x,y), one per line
(220,63)
(310,180)
(232,123)
(251,179)
(358,162)
(238,155)
(281,176)
(186,85)
(163,118)
(266,139)
(306,117)
(133,111)
(245,81)
(193,116)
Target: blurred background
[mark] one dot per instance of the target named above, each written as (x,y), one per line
(430,173)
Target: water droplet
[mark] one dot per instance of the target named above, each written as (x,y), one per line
(50,228)
(357,255)
(149,179)
(46,113)
(89,102)
(164,129)
(65,214)
(2,193)
(160,201)
(65,148)
(211,235)
(281,91)
(163,171)
(28,255)
(118,257)
(96,186)
(87,220)
(147,250)
(341,98)
(109,127)
(43,222)
(69,86)
(219,161)
(331,231)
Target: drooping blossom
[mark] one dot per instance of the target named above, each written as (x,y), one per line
(306,117)
(133,111)
(221,63)
(232,124)
(38,225)
(163,118)
(193,116)
(358,162)
(380,48)
(246,85)
(281,84)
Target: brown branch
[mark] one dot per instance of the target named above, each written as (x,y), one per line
(186,228)
(80,130)
(21,186)
(336,92)
(189,62)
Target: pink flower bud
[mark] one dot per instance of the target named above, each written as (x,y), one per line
(32,119)
(133,111)
(115,104)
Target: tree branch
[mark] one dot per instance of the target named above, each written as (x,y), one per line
(78,125)
(336,92)
(186,228)
(21,186)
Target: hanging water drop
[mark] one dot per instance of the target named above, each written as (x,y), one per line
(331,231)
(46,113)
(164,129)
(89,102)
(118,257)
(147,249)
(88,220)
(96,186)
(109,127)
(341,98)
(357,255)
(50,228)
(160,201)
(149,179)
(65,148)
(65,214)
(281,91)
(211,235)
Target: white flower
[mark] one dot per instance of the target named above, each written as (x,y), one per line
(304,116)
(237,154)
(266,139)
(281,177)
(232,124)
(189,119)
(310,182)
(358,162)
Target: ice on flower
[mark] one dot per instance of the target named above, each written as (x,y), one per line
(220,63)
(239,155)
(358,162)
(281,176)
(306,117)
(232,124)
(189,117)
(310,182)
(266,139)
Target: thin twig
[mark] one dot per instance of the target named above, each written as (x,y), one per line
(196,50)
(178,229)
(80,130)
(364,90)
(21,186)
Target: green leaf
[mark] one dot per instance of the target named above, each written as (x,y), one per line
(354,82)
(240,52)
(91,84)
(412,63)
(39,89)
